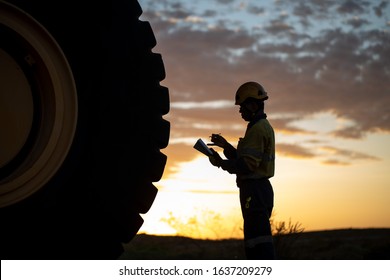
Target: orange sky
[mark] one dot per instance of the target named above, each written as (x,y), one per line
(326,69)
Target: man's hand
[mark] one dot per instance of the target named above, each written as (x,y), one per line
(218,140)
(215,159)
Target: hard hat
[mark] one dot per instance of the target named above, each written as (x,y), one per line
(250,89)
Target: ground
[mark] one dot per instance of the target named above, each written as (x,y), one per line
(343,244)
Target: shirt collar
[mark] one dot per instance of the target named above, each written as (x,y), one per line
(256,118)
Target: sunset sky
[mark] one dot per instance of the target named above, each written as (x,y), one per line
(326,67)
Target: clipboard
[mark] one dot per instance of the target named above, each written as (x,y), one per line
(202,147)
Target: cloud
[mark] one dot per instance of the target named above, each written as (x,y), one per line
(294,151)
(278,27)
(209,13)
(350,7)
(348,154)
(303,10)
(225,1)
(283,125)
(379,9)
(357,22)
(330,155)
(252,9)
(335,162)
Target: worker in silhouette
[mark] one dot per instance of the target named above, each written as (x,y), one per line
(253,162)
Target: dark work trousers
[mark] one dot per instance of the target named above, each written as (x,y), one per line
(257,201)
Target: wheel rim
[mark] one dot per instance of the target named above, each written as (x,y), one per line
(38,111)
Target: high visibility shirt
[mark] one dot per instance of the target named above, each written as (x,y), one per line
(254,157)
(257,149)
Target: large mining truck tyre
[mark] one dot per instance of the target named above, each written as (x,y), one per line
(81,125)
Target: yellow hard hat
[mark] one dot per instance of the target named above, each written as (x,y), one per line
(250,89)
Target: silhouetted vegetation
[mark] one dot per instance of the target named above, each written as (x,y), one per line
(285,236)
(210,223)
(206,224)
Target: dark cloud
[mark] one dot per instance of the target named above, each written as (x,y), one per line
(351,7)
(303,10)
(379,9)
(316,9)
(177,14)
(349,132)
(225,1)
(321,5)
(175,10)
(209,13)
(357,22)
(256,10)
